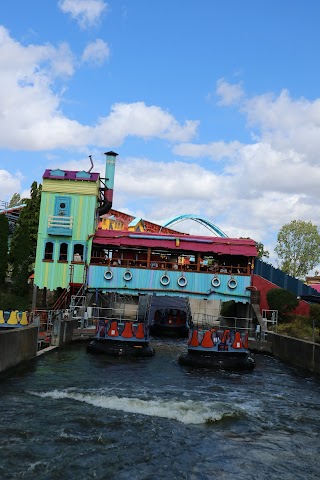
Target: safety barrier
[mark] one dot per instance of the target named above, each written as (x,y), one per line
(14,318)
(225,340)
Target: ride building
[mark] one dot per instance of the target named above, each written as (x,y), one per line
(82,241)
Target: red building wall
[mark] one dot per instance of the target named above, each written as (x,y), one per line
(264,286)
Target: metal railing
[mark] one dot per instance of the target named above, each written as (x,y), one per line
(270,317)
(3,205)
(56,221)
(204,321)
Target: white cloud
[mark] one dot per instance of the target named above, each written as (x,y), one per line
(140,120)
(273,180)
(9,184)
(286,123)
(252,190)
(31,116)
(214,150)
(96,52)
(86,12)
(228,93)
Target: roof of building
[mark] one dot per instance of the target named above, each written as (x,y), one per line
(316,286)
(135,222)
(12,209)
(58,174)
(215,245)
(150,227)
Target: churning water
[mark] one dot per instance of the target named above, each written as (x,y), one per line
(72,415)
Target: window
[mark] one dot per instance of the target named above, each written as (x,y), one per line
(57,173)
(63,253)
(78,252)
(48,251)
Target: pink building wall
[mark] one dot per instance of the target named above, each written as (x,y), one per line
(264,286)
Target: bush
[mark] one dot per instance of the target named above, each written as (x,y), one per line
(315,314)
(10,301)
(299,327)
(282,300)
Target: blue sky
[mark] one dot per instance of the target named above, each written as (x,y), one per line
(213,106)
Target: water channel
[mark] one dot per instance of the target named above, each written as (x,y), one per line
(73,415)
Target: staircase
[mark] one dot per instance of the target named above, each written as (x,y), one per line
(144,308)
(63,301)
(78,304)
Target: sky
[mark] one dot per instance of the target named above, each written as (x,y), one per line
(213,106)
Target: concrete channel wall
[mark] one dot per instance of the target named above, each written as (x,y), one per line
(299,353)
(62,330)
(17,345)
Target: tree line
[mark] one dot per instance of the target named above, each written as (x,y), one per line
(18,247)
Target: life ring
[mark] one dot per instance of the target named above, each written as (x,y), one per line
(232,283)
(127,276)
(165,280)
(108,275)
(182,281)
(215,282)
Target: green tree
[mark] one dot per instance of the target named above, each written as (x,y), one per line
(298,248)
(15,200)
(20,253)
(261,251)
(282,300)
(4,237)
(28,221)
(315,314)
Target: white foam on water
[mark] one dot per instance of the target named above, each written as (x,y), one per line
(189,411)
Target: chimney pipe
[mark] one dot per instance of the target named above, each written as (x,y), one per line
(109,181)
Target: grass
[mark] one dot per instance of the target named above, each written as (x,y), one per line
(299,327)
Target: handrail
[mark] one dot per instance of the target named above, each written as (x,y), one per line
(59,221)
(163,265)
(59,302)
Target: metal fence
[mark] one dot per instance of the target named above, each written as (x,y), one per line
(204,321)
(282,280)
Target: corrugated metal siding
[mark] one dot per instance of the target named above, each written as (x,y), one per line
(281,279)
(188,243)
(71,187)
(53,275)
(148,281)
(82,210)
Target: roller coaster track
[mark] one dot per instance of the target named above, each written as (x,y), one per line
(206,223)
